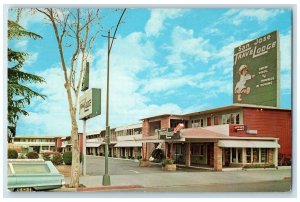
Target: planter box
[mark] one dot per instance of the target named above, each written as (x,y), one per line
(170,167)
(144,164)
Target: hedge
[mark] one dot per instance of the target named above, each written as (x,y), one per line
(12,154)
(32,155)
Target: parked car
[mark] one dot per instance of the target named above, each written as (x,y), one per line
(33,175)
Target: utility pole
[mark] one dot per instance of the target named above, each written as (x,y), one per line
(106,177)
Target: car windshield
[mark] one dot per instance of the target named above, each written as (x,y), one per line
(30,168)
(8,170)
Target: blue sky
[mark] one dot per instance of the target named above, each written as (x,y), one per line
(163,61)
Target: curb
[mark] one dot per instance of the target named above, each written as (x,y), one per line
(108,188)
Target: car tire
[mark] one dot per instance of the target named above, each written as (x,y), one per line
(24,189)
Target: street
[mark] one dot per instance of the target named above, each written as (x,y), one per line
(153,179)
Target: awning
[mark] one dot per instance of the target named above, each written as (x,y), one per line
(129,144)
(92,144)
(248,144)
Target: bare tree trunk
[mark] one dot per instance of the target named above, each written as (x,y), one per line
(75,169)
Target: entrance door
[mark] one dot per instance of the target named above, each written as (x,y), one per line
(198,154)
(226,157)
(179,153)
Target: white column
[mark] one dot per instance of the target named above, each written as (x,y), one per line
(275,156)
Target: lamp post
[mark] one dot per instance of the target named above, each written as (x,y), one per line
(106,177)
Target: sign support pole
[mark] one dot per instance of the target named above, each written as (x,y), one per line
(84,148)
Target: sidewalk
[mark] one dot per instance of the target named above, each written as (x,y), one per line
(169,179)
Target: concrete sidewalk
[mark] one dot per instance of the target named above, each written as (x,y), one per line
(168,179)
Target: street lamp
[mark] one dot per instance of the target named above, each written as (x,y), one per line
(106,177)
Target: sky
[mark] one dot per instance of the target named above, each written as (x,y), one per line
(163,61)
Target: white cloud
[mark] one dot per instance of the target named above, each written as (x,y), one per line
(157,17)
(31,58)
(21,44)
(236,16)
(28,16)
(285,52)
(169,82)
(127,104)
(185,45)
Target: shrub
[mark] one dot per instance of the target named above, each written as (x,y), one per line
(32,155)
(12,154)
(167,162)
(67,156)
(57,159)
(22,156)
(46,156)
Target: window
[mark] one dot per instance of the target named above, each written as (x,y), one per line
(255,152)
(231,118)
(237,119)
(233,157)
(263,155)
(197,123)
(201,122)
(240,155)
(248,155)
(198,149)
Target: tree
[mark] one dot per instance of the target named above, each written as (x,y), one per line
(72,29)
(19,94)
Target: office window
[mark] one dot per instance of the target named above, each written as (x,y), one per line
(263,155)
(233,157)
(237,119)
(255,152)
(248,155)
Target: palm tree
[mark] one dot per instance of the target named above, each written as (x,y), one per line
(19,95)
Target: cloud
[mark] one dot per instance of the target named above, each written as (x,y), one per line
(169,82)
(237,16)
(32,58)
(28,16)
(186,47)
(157,18)
(285,52)
(21,44)
(127,104)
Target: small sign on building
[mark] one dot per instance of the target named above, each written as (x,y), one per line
(239,128)
(90,104)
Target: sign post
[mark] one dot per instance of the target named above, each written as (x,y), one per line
(84,148)
(89,107)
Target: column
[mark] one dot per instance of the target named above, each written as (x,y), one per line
(166,149)
(171,151)
(217,157)
(188,154)
(275,160)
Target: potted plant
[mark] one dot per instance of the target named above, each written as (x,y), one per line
(168,165)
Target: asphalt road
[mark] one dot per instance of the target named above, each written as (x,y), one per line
(96,166)
(154,180)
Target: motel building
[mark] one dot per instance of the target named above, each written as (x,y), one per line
(38,144)
(124,142)
(238,135)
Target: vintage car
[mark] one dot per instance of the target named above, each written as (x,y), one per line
(33,175)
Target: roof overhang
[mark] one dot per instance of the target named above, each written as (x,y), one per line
(248,144)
